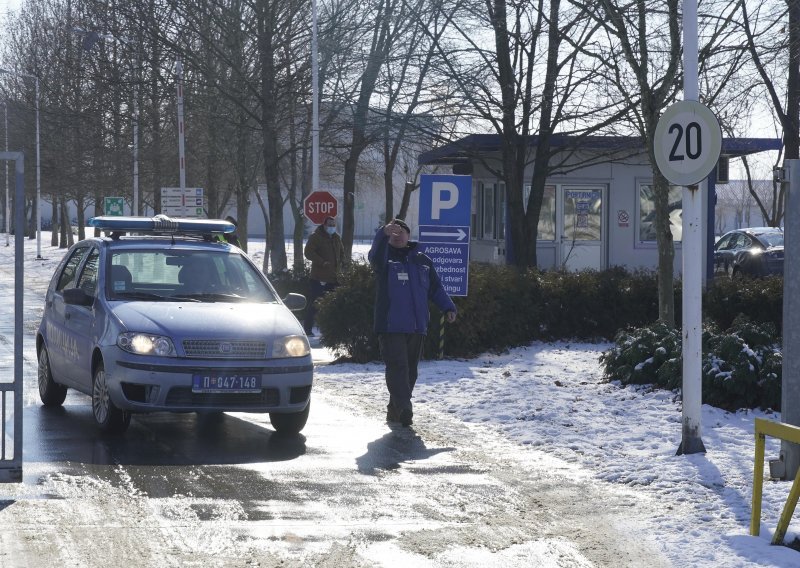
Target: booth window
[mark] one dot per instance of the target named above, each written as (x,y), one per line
(489,211)
(647,213)
(546,231)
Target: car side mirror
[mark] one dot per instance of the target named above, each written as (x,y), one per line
(77,297)
(294,302)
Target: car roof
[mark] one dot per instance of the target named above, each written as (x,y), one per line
(160,231)
(763,229)
(756,230)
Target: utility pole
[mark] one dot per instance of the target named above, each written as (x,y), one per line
(181,149)
(790,385)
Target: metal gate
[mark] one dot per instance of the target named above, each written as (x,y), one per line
(11,391)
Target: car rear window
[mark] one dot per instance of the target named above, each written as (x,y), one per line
(180,274)
(772,239)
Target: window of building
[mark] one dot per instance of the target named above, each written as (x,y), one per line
(647,213)
(489,211)
(546,231)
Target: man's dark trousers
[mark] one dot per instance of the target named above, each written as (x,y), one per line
(318,289)
(401,353)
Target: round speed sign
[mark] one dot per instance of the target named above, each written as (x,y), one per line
(688,142)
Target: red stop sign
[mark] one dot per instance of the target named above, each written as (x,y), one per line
(318,205)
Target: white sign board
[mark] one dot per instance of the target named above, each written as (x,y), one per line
(688,143)
(186,202)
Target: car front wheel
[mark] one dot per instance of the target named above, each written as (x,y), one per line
(289,423)
(108,417)
(50,392)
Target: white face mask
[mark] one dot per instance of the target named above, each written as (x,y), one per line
(330,230)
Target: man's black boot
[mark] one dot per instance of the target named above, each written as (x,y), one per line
(406,416)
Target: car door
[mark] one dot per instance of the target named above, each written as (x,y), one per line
(80,322)
(60,347)
(748,256)
(723,255)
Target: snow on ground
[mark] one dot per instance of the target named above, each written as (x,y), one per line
(550,398)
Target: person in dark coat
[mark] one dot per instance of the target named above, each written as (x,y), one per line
(326,252)
(406,280)
(232,238)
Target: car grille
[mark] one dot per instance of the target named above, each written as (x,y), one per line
(224,349)
(183,396)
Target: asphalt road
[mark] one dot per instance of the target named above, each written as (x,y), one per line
(351,491)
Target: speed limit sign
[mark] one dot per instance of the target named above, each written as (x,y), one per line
(688,142)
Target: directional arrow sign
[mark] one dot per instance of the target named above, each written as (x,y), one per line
(448,247)
(443,234)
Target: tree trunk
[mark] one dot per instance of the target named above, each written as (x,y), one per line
(266,54)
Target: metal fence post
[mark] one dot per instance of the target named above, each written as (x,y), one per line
(11,469)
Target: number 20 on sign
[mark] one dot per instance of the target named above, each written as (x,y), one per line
(688,142)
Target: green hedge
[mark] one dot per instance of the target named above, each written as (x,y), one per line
(506,308)
(761,299)
(741,366)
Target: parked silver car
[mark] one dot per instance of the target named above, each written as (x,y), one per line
(170,319)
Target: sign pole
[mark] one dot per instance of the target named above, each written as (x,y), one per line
(181,147)
(692,260)
(790,385)
(441,336)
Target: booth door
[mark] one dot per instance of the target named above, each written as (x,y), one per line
(582,228)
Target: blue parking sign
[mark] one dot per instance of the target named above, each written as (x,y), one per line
(445,200)
(445,208)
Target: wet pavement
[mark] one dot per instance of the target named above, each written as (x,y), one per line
(226,490)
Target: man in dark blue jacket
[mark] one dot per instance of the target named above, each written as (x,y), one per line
(406,279)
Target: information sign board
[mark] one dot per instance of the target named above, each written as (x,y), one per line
(445,206)
(186,202)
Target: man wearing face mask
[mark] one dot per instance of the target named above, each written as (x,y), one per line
(326,252)
(406,280)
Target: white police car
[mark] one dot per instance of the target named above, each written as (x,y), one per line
(171,320)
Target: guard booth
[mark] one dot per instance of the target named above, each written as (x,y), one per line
(11,386)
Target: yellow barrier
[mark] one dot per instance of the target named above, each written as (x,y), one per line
(782,431)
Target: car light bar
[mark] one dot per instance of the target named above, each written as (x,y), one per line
(161,224)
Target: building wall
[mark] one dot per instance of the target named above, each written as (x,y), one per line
(621,245)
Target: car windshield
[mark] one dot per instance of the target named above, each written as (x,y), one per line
(189,275)
(772,239)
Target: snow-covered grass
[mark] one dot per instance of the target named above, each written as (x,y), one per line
(550,397)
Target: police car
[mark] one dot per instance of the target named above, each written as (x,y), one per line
(159,315)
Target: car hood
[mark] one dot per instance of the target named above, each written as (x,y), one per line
(219,319)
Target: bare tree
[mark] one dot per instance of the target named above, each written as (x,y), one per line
(641,50)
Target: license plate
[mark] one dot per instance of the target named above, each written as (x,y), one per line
(226,383)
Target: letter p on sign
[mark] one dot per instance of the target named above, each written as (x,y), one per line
(445,196)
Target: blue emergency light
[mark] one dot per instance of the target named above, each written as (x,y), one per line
(161,224)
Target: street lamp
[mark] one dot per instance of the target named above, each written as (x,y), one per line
(38,164)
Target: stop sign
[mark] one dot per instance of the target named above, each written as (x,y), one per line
(318,205)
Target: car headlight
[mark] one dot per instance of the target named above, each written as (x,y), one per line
(146,344)
(291,346)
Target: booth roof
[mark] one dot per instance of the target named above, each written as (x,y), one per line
(464,149)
